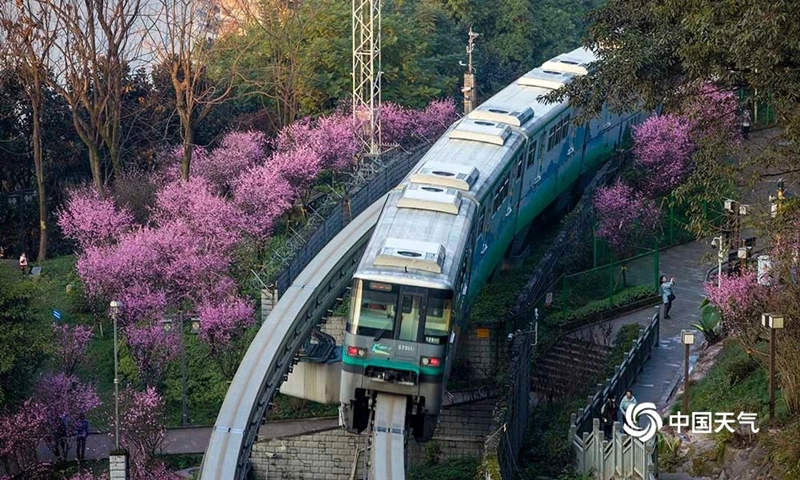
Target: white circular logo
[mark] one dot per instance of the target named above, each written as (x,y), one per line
(631,425)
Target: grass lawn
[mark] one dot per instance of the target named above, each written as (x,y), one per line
(736,383)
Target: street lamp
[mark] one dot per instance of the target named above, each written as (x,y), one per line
(773,321)
(687,339)
(195,328)
(719,242)
(115,307)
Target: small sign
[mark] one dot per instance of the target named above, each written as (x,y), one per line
(56,314)
(118,467)
(483,333)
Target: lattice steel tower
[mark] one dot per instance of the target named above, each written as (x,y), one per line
(367,72)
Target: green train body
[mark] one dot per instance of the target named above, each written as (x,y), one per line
(449,224)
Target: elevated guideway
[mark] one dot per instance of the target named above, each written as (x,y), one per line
(271,353)
(387,456)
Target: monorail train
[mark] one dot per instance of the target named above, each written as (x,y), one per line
(446,227)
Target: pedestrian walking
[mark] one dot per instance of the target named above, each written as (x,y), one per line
(746,123)
(627,401)
(608,415)
(23,263)
(61,435)
(667,295)
(81,434)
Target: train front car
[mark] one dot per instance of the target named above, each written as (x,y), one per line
(396,342)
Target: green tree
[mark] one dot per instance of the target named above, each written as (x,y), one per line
(21,341)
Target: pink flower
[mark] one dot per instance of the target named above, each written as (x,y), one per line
(263,195)
(70,345)
(622,214)
(91,220)
(153,348)
(220,321)
(663,150)
(736,296)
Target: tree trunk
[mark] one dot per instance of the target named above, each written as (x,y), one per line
(39,167)
(188,140)
(94,163)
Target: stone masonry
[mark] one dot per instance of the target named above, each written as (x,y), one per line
(332,454)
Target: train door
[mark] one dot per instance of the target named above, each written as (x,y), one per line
(518,174)
(409,324)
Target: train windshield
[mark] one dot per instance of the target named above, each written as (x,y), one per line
(375,316)
(401,312)
(437,317)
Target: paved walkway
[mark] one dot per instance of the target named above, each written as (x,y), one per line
(195,439)
(664,370)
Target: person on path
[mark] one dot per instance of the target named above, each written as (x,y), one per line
(608,415)
(23,263)
(667,296)
(81,433)
(61,435)
(626,402)
(746,123)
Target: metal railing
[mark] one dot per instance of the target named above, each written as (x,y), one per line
(622,456)
(624,376)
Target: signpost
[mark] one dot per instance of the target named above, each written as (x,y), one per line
(56,314)
(118,466)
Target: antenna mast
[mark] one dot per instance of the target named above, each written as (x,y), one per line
(367,73)
(469,90)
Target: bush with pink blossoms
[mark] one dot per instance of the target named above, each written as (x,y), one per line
(435,118)
(70,345)
(64,399)
(220,321)
(142,431)
(91,220)
(737,296)
(20,434)
(662,153)
(398,123)
(714,114)
(298,166)
(623,215)
(263,196)
(152,347)
(89,476)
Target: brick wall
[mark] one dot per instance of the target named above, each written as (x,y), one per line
(477,352)
(329,455)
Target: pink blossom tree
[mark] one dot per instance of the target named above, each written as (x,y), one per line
(92,220)
(435,118)
(142,430)
(20,435)
(713,113)
(63,399)
(623,215)
(153,348)
(662,150)
(262,196)
(736,297)
(70,345)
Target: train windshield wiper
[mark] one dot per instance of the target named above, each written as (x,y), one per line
(379,335)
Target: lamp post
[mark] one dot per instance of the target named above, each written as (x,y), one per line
(719,242)
(687,339)
(115,306)
(195,327)
(773,321)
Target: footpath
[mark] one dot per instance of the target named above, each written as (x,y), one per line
(194,440)
(664,371)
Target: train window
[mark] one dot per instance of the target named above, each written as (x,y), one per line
(558,133)
(437,318)
(531,152)
(519,165)
(500,194)
(376,313)
(409,317)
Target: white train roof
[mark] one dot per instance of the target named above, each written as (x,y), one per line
(424,226)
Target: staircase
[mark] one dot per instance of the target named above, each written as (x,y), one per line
(568,367)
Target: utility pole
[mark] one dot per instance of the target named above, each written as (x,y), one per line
(366,18)
(469,89)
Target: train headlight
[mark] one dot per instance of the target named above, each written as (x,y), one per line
(356,352)
(430,361)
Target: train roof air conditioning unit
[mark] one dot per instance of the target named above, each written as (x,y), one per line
(481,131)
(431,197)
(411,254)
(447,175)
